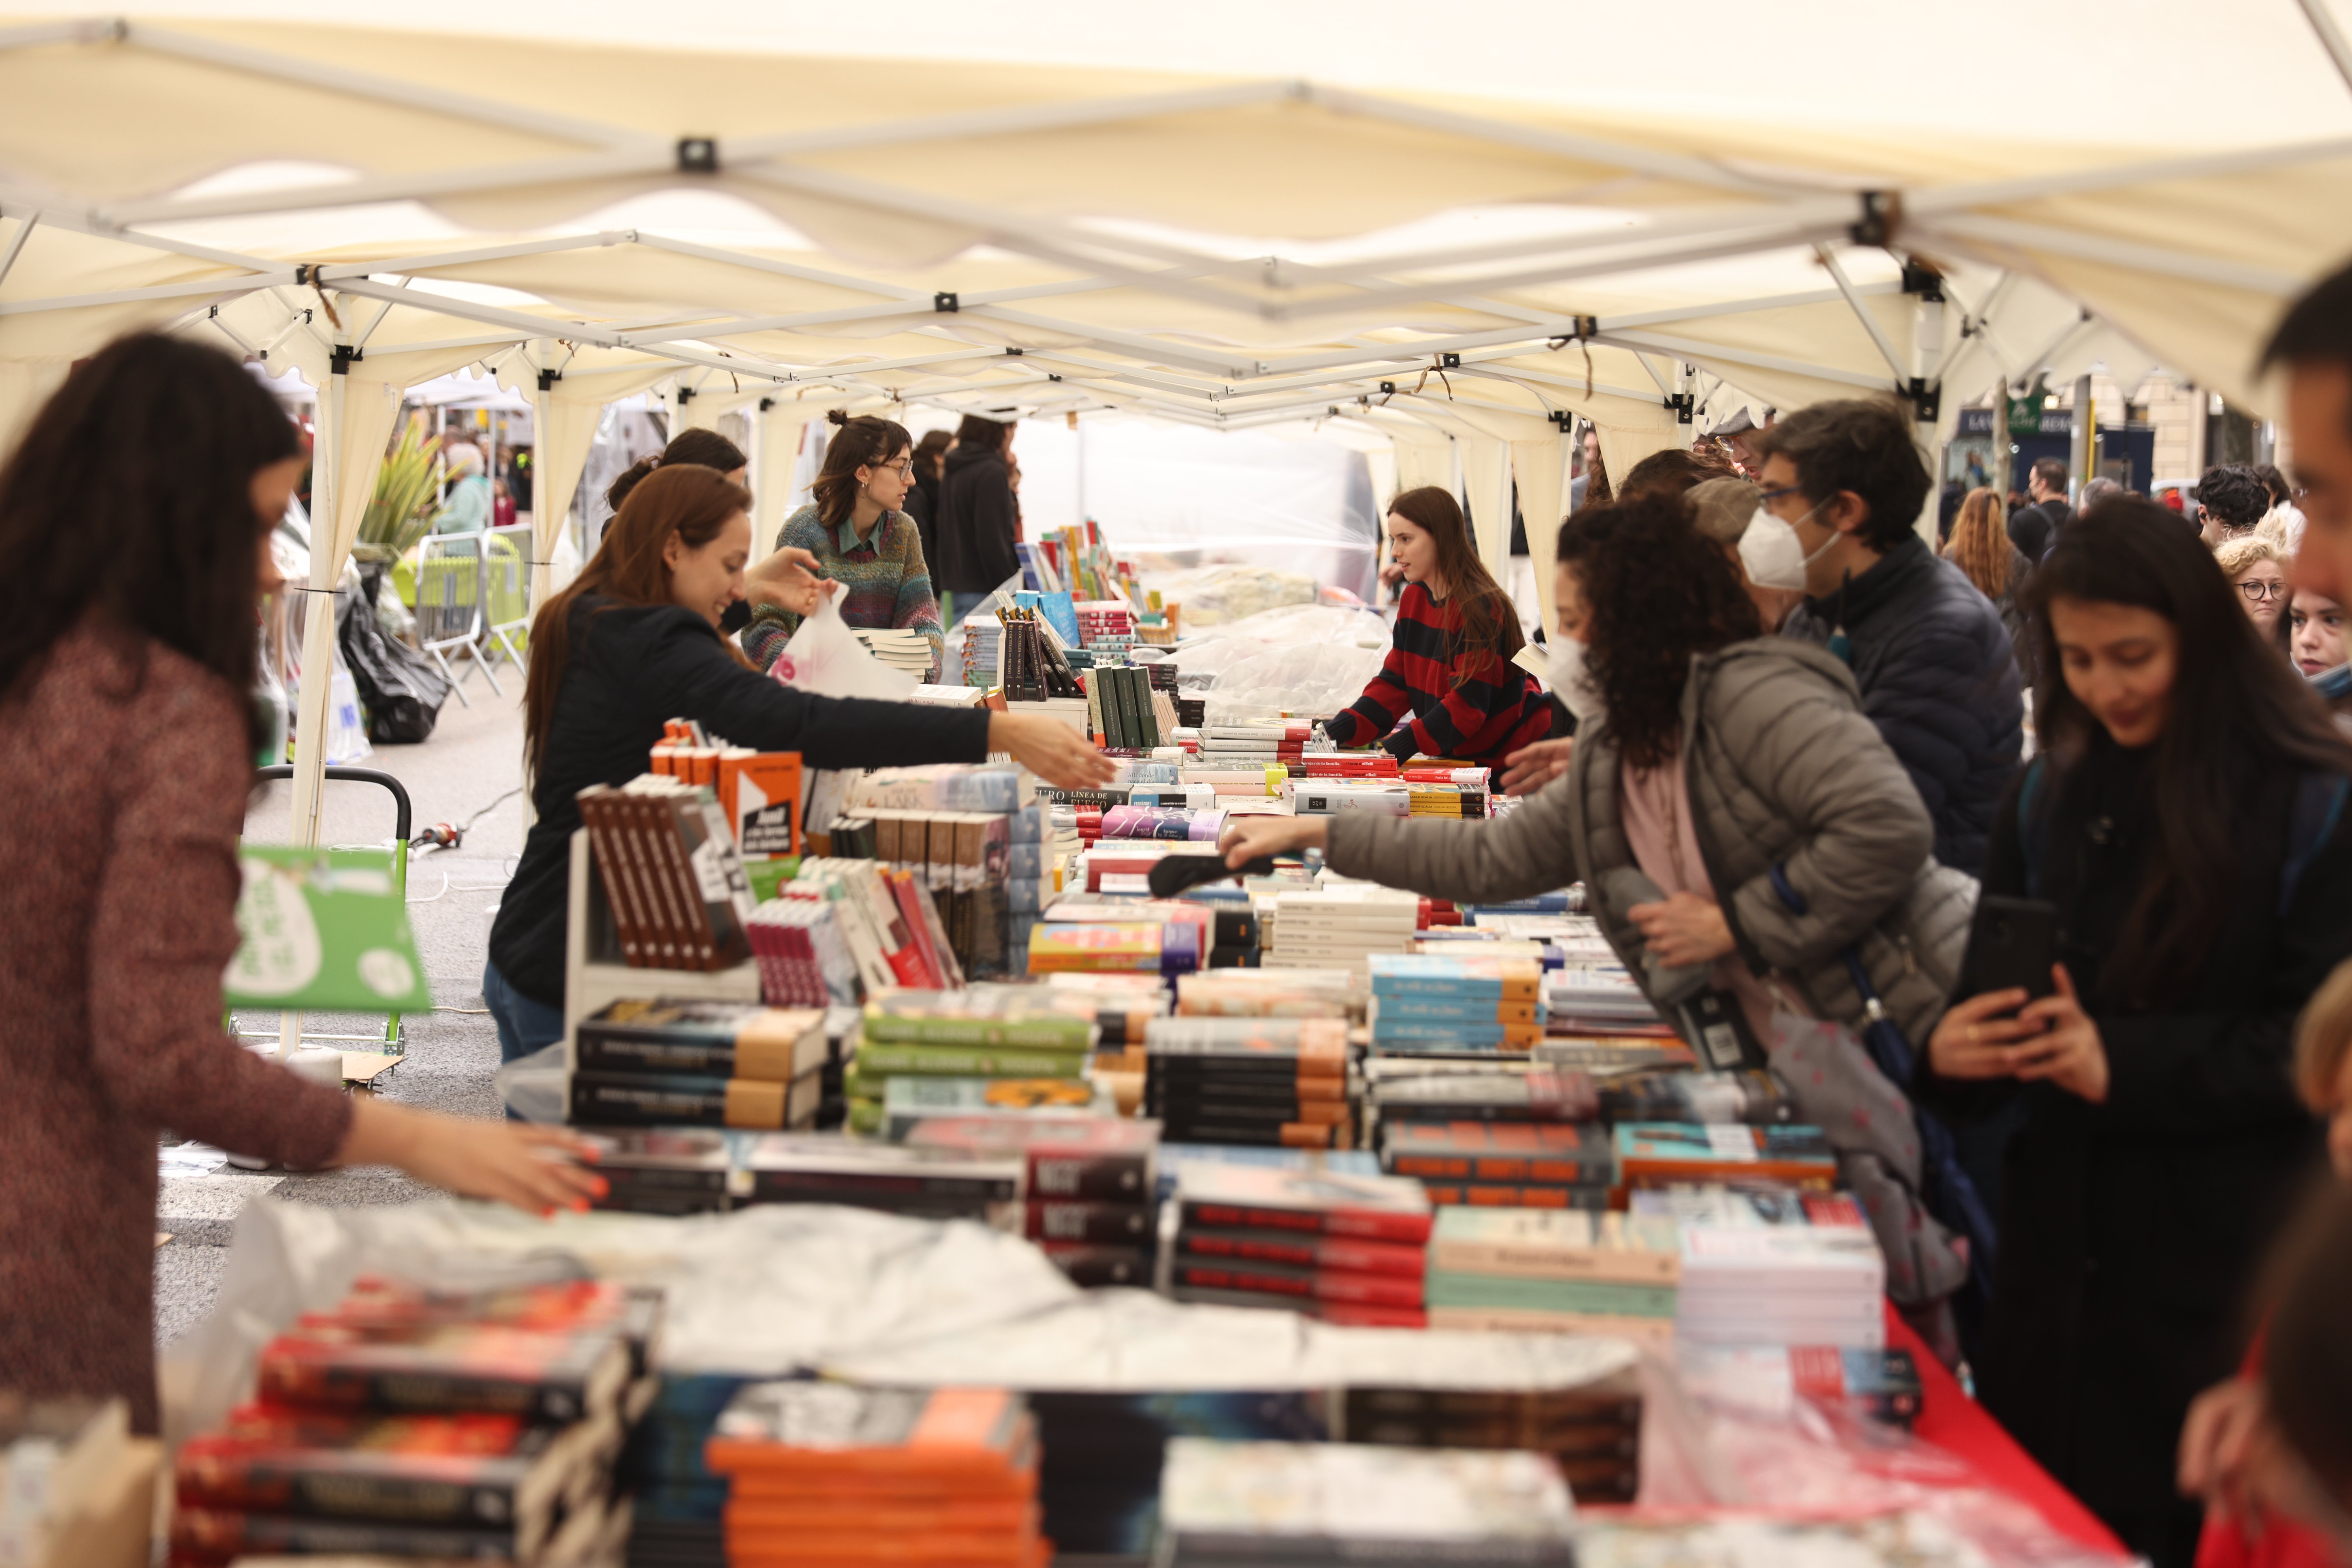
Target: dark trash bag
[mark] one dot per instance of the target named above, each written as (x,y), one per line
(398,686)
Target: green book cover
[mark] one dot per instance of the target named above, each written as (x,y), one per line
(883,1057)
(323,931)
(1062,1035)
(1448,1288)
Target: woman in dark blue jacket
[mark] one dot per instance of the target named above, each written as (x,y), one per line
(2187,820)
(634,642)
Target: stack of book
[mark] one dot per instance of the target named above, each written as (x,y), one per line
(1089,1185)
(1599,998)
(902,648)
(1403,1090)
(1120,709)
(1665,1153)
(416,1424)
(1447,800)
(1269,994)
(1340,928)
(982,1032)
(1162,822)
(828,1476)
(1346,1248)
(1504,1165)
(678,1505)
(1328,1505)
(892,927)
(1455,1000)
(1170,948)
(1280,1081)
(663,1170)
(983,637)
(1592,1433)
(799,941)
(920,1184)
(1282,742)
(1783,1285)
(1105,623)
(698,1064)
(1561,1272)
(909,1100)
(671,875)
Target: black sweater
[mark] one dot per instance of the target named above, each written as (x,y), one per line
(633,667)
(977,522)
(2131,1230)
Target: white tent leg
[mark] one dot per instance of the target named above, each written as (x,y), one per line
(317,643)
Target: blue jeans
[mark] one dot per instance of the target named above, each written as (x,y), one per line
(524,1025)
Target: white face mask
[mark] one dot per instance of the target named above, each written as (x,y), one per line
(1773,554)
(1564,671)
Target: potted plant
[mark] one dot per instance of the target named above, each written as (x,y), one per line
(400,512)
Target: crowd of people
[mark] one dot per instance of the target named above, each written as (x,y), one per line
(1784,747)
(1792,753)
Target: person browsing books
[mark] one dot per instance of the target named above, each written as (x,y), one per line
(2187,820)
(1711,764)
(634,641)
(1448,687)
(134,549)
(859,539)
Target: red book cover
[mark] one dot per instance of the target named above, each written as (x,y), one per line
(1401,1259)
(1252,1197)
(1363,1315)
(902,888)
(447,1368)
(465,1470)
(1305,1284)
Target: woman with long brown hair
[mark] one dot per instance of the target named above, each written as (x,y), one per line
(860,539)
(1980,547)
(1449,688)
(134,551)
(634,641)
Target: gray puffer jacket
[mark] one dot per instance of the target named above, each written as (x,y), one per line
(1783,769)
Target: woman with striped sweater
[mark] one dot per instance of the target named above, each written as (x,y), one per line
(862,540)
(1449,688)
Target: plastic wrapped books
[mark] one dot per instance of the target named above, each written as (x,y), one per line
(1462,998)
(1555,1270)
(1783,1285)
(1313,1504)
(1251,1080)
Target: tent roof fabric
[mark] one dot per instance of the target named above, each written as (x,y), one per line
(1213,248)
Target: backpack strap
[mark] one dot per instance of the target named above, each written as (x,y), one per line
(2311,824)
(2032,825)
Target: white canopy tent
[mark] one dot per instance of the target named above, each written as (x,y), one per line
(1461,230)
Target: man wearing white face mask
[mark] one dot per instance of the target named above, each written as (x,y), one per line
(1841,486)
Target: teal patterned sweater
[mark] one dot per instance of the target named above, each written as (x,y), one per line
(884,583)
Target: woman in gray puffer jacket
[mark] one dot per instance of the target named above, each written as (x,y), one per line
(1707,758)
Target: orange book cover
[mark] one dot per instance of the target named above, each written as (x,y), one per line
(760,792)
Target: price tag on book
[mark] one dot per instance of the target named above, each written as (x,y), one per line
(324,929)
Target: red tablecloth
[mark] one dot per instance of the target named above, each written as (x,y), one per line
(1953,1421)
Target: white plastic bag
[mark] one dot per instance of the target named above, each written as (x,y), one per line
(825,657)
(535,1086)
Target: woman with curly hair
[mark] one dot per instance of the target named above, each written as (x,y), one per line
(1717,758)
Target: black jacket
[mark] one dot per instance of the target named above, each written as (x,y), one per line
(923,505)
(2034,527)
(633,666)
(1939,680)
(2131,1230)
(977,523)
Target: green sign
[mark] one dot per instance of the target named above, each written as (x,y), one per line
(2025,417)
(324,929)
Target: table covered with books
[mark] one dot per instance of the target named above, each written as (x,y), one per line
(971,1205)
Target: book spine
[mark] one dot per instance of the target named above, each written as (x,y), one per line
(596,817)
(1467,1195)
(1058,1037)
(1121,1224)
(538,1396)
(828,1186)
(645,863)
(1568,1172)
(672,831)
(1313,1285)
(889,1057)
(1405,1262)
(1123,1178)
(1366,1223)
(280,1483)
(215,1535)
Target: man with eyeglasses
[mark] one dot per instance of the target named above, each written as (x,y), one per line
(2231,499)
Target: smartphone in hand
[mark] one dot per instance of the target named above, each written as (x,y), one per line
(2013,945)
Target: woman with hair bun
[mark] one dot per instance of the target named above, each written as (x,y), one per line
(861,539)
(1449,688)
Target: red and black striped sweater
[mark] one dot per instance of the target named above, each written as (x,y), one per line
(1494,711)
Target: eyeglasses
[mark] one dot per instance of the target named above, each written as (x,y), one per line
(905,470)
(2258,591)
